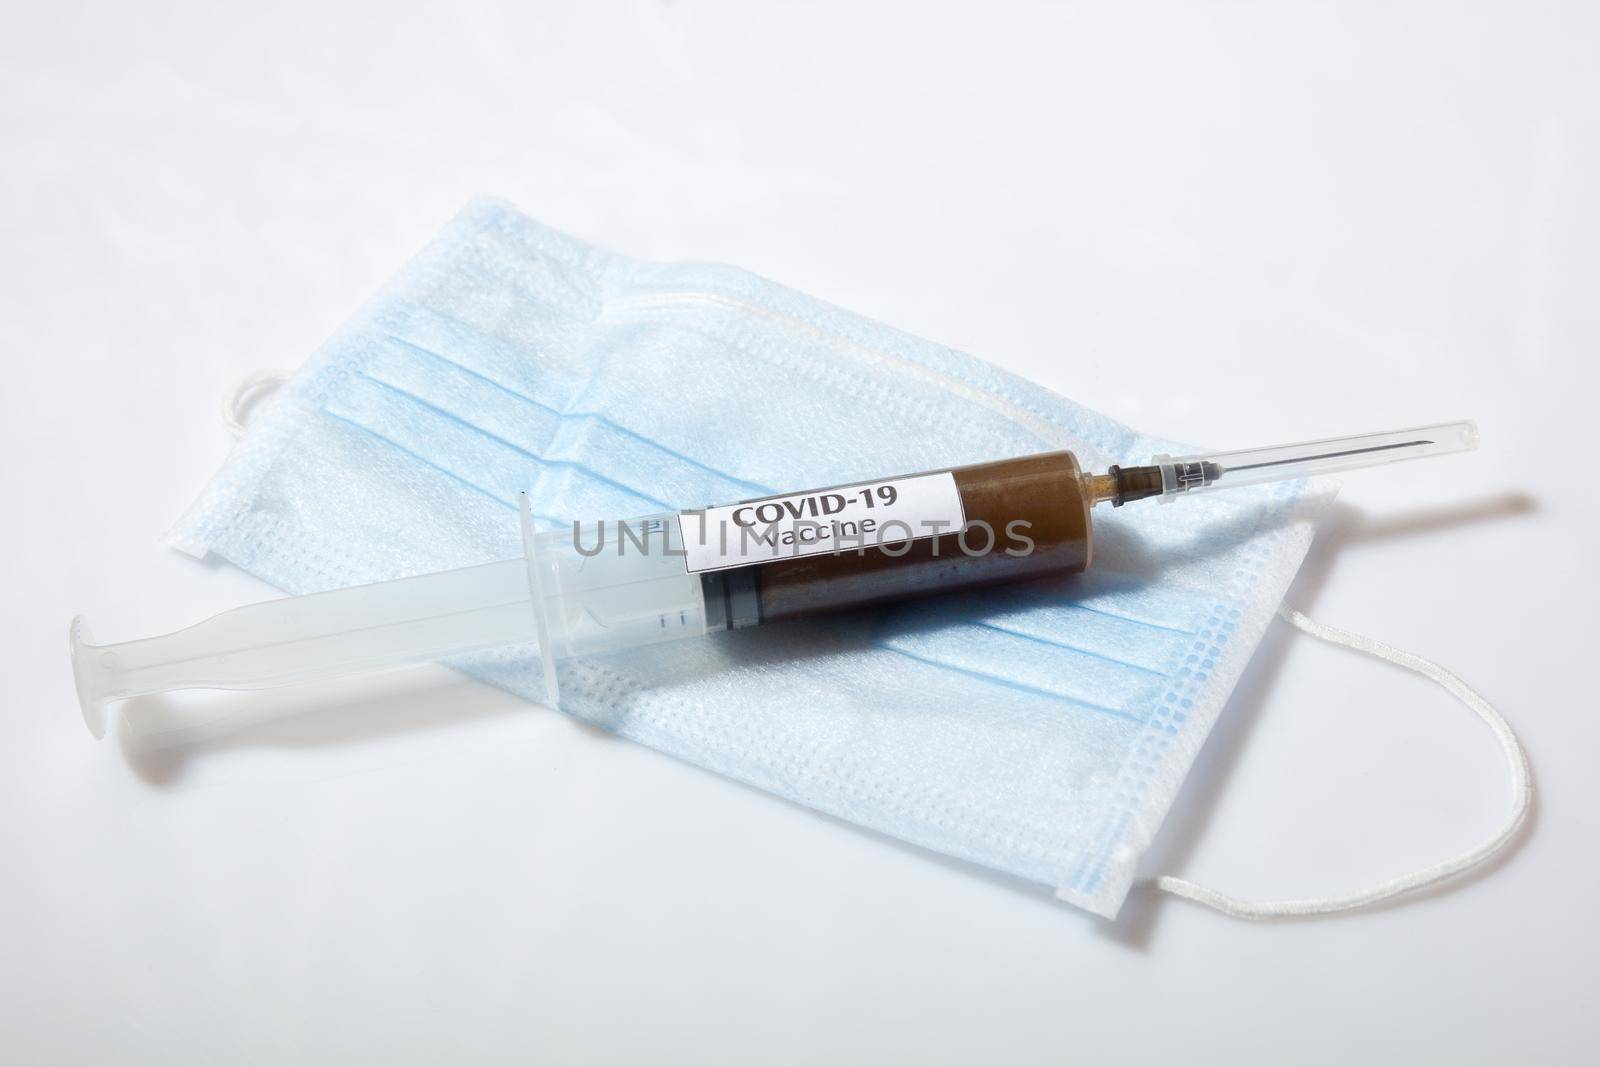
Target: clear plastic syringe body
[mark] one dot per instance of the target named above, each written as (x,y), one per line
(605,587)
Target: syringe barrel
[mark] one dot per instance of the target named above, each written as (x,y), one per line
(608,586)
(611,585)
(1024,518)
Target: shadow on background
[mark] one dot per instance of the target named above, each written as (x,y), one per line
(160,735)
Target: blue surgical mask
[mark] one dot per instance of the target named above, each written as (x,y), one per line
(1041,729)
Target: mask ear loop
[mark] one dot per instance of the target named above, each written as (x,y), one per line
(1521,799)
(237,401)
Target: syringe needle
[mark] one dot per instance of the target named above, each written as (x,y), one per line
(1169,476)
(1326,455)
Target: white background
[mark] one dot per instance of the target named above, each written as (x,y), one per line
(1229,223)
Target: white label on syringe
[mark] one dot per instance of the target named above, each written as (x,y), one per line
(847,518)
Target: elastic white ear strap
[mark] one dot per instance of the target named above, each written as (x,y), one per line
(236,400)
(1521,798)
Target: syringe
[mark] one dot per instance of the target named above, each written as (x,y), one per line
(609,586)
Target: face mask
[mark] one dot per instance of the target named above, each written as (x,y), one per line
(1041,729)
